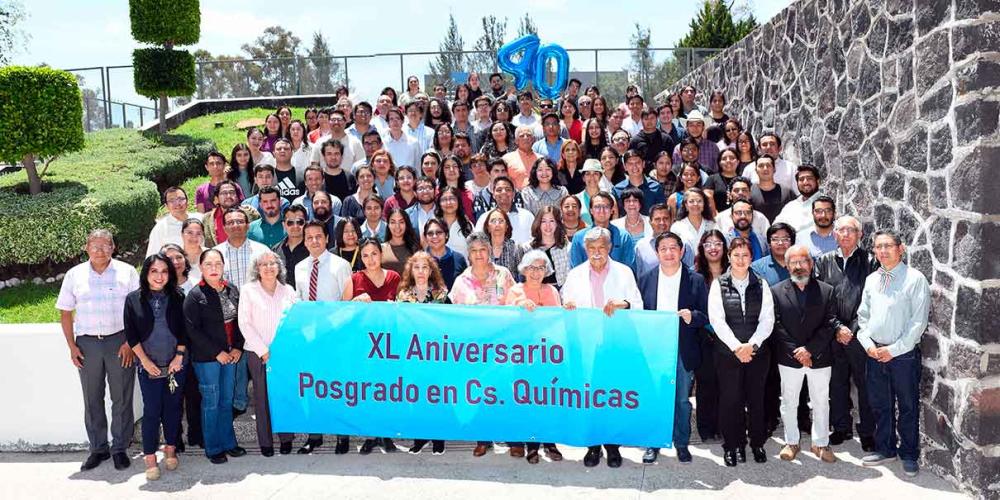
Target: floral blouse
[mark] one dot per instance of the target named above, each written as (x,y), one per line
(432,296)
(469,290)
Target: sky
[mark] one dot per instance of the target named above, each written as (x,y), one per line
(58,39)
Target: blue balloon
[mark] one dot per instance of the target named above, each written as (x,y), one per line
(546,52)
(524,69)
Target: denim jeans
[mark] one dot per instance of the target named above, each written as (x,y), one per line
(890,385)
(682,405)
(215,381)
(160,407)
(241,398)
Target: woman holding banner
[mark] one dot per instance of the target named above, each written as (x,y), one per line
(265,298)
(483,283)
(535,266)
(422,283)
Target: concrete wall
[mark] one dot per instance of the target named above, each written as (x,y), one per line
(897,103)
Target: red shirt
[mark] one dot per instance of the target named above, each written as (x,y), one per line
(576,131)
(378,294)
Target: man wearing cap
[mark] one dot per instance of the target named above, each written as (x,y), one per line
(708,151)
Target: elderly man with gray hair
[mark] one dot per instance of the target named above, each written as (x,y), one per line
(91,301)
(805,320)
(846,270)
(602,283)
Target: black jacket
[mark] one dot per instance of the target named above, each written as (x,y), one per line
(812,326)
(692,296)
(650,145)
(205,328)
(139,318)
(847,283)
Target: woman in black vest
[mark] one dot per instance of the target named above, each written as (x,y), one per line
(741,311)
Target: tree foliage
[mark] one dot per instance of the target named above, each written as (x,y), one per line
(713,27)
(161,22)
(491,39)
(163,72)
(451,59)
(527,26)
(12,34)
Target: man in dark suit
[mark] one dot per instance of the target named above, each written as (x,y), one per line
(671,286)
(805,320)
(846,269)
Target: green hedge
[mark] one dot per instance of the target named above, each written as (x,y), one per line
(159,71)
(41,113)
(114,182)
(159,21)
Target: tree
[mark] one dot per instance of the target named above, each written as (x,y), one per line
(275,73)
(41,116)
(451,59)
(162,71)
(94,112)
(492,38)
(526,26)
(320,73)
(714,28)
(643,64)
(12,34)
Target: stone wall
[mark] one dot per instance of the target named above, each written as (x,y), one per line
(897,102)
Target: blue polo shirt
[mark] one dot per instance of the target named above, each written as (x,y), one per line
(652,193)
(769,270)
(622,247)
(267,234)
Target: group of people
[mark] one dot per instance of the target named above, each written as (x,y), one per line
(482,200)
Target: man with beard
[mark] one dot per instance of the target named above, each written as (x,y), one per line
(227,195)
(820,239)
(323,213)
(742,217)
(497,87)
(315,181)
(462,148)
(263,175)
(846,269)
(740,189)
(805,320)
(285,176)
(767,195)
(371,142)
(798,212)
(423,210)
(268,230)
(353,151)
(333,178)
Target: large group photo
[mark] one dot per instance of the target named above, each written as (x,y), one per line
(697,269)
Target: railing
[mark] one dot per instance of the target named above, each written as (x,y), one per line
(611,69)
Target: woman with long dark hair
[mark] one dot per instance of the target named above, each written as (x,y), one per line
(717,186)
(347,235)
(451,175)
(444,139)
(746,148)
(543,188)
(155,330)
(241,168)
(570,208)
(272,132)
(549,236)
(285,117)
(402,241)
(594,138)
(688,177)
(259,156)
(499,140)
(711,261)
(449,263)
(695,217)
(404,194)
(451,211)
(505,252)
(570,115)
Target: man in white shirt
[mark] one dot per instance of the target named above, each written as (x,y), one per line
(353,151)
(415,128)
(527,116)
(168,228)
(784,170)
(362,117)
(403,149)
(91,301)
(238,251)
(322,276)
(600,282)
(798,212)
(380,120)
(520,219)
(633,123)
(423,210)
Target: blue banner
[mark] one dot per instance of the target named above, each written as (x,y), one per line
(471,373)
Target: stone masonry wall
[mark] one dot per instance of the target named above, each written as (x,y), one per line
(897,102)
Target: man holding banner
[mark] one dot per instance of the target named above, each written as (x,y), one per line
(601,283)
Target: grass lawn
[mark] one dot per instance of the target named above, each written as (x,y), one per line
(228,135)
(29,303)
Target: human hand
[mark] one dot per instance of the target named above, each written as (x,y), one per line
(569,306)
(685,314)
(126,355)
(76,355)
(150,367)
(844,335)
(235,355)
(176,365)
(266,356)
(614,305)
(364,297)
(223,358)
(884,356)
(528,304)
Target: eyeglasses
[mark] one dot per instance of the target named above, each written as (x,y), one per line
(535,268)
(600,208)
(822,210)
(781,241)
(232,223)
(434,233)
(712,244)
(100,247)
(295,222)
(269,264)
(177,201)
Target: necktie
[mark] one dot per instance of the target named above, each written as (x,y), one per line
(886,279)
(313,280)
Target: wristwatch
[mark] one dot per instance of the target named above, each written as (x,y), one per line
(755,348)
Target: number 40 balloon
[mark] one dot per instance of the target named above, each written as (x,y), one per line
(531,67)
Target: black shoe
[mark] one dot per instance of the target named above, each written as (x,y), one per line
(343,446)
(683,455)
(218,459)
(741,454)
(418,444)
(867,444)
(614,459)
(94,460)
(121,460)
(759,455)
(180,446)
(194,442)
(650,455)
(593,457)
(267,451)
(237,413)
(367,447)
(437,447)
(839,437)
(729,456)
(285,448)
(310,445)
(388,446)
(236,452)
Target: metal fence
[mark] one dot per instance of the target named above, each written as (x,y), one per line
(110,99)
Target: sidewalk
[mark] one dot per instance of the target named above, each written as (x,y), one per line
(456,474)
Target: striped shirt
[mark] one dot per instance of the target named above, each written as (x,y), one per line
(260,312)
(237,260)
(97,299)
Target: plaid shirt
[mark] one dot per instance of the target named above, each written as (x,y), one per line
(560,260)
(708,156)
(97,299)
(237,260)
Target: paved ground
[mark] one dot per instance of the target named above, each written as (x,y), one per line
(457,474)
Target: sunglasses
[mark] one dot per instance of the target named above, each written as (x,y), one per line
(295,222)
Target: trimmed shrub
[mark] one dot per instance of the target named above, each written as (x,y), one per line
(159,22)
(159,71)
(115,182)
(41,113)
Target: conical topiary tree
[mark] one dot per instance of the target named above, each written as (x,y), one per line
(163,71)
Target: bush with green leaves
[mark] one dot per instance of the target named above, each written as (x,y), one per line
(159,22)
(114,182)
(41,113)
(163,71)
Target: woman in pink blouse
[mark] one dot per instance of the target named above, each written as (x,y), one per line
(263,301)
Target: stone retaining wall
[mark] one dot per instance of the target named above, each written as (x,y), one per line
(898,102)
